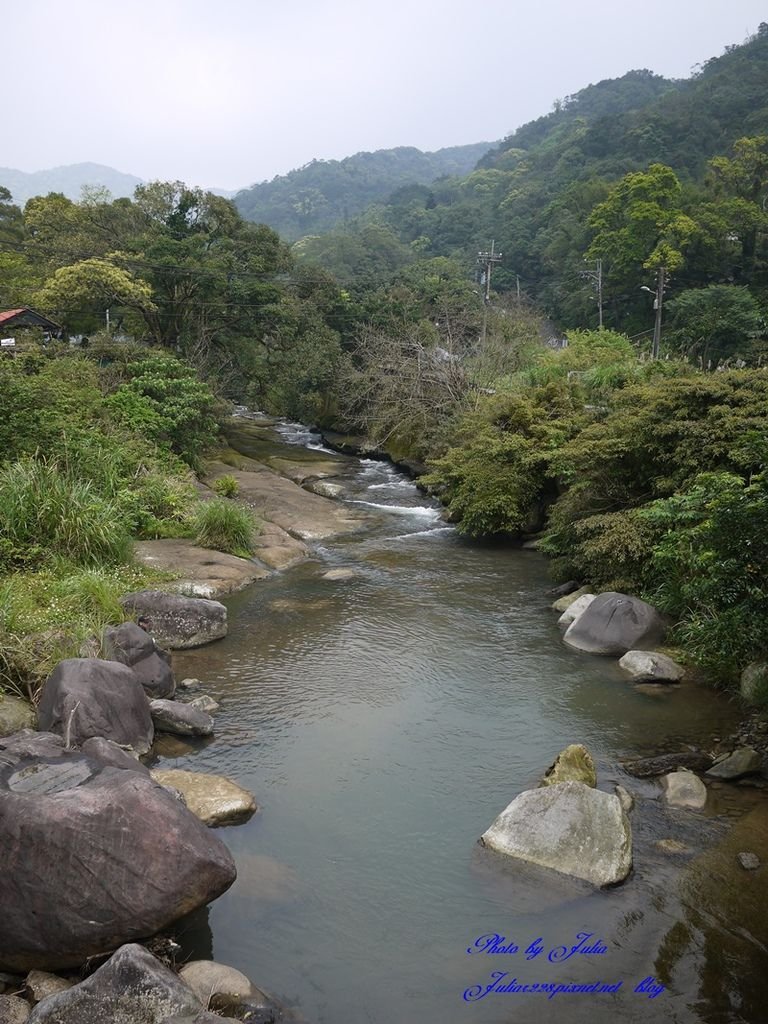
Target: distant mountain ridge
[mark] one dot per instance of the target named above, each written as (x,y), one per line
(68,179)
(325,193)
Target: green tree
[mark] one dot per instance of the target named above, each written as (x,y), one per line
(715,323)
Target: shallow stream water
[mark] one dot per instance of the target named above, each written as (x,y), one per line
(383,722)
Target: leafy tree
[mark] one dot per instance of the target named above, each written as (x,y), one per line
(717,322)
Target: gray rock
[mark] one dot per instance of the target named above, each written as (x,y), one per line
(130,645)
(626,799)
(40,985)
(749,861)
(221,987)
(684,789)
(180,719)
(341,573)
(214,799)
(647,767)
(15,715)
(101,856)
(178,622)
(651,667)
(743,761)
(86,697)
(754,683)
(574,764)
(14,1010)
(190,684)
(573,611)
(614,624)
(569,828)
(132,987)
(567,599)
(204,703)
(108,752)
(29,743)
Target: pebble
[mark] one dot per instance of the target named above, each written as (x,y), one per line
(749,861)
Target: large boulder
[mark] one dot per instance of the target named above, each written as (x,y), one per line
(214,799)
(15,715)
(614,624)
(651,667)
(574,764)
(94,856)
(178,622)
(130,645)
(85,697)
(181,719)
(132,987)
(570,828)
(226,989)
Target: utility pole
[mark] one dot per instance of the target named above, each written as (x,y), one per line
(658,301)
(596,275)
(106,317)
(487,260)
(661,274)
(517,281)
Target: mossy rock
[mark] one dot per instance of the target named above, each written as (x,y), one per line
(574,764)
(15,715)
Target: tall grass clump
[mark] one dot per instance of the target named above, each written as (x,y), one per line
(44,512)
(224,526)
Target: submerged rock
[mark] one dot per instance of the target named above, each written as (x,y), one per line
(569,828)
(132,987)
(94,856)
(651,667)
(15,715)
(749,861)
(228,990)
(178,622)
(684,789)
(130,645)
(214,799)
(647,767)
(614,624)
(574,764)
(86,697)
(180,719)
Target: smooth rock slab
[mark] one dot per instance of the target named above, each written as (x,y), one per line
(570,828)
(130,645)
(614,624)
(132,987)
(744,761)
(573,611)
(86,697)
(574,764)
(684,789)
(15,715)
(651,667)
(105,860)
(180,719)
(178,622)
(214,799)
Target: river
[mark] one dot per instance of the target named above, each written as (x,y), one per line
(383,721)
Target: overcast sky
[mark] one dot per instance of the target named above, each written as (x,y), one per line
(223,94)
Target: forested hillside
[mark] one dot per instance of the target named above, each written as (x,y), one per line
(539,194)
(324,193)
(68,180)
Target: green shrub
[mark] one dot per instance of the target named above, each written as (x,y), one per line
(45,513)
(226,486)
(224,526)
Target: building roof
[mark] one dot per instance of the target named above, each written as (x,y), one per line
(26,317)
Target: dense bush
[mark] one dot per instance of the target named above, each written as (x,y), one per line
(226,486)
(225,526)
